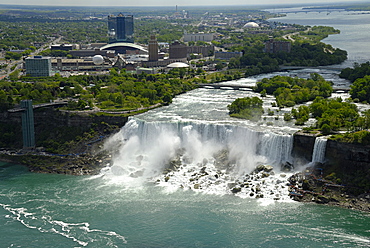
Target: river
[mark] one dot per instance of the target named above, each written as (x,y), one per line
(132,204)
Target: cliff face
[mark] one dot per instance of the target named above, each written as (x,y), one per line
(51,124)
(348,162)
(64,118)
(302,148)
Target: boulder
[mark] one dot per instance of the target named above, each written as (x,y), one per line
(265,168)
(287,167)
(236,190)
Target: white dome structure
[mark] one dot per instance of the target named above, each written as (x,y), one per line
(98,60)
(251,25)
(178,65)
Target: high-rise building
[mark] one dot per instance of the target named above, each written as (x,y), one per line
(153,48)
(121,28)
(38,66)
(178,50)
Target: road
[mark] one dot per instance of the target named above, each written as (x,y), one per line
(289,36)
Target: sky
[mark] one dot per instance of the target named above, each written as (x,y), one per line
(167,2)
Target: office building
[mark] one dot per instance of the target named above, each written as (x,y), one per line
(205,51)
(38,66)
(178,50)
(121,28)
(62,47)
(153,48)
(273,46)
(207,37)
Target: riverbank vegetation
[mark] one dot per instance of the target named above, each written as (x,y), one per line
(358,71)
(360,76)
(290,91)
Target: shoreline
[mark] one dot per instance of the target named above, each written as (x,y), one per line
(309,187)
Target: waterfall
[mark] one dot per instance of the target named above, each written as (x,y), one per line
(319,149)
(145,148)
(277,147)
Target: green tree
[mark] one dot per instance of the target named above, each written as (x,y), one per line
(361,89)
(247,108)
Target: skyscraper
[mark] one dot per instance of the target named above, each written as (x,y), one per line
(121,28)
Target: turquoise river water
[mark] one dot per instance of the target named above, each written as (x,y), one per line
(131,204)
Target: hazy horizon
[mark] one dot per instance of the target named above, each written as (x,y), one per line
(165,3)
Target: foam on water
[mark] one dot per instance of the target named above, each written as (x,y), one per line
(77,232)
(204,157)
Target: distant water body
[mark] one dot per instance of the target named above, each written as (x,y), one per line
(353,25)
(44,210)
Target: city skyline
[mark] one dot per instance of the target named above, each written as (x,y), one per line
(169,2)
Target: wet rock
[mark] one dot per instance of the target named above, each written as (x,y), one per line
(307,185)
(196,186)
(322,199)
(166,178)
(222,159)
(203,171)
(287,167)
(264,175)
(245,185)
(236,190)
(266,168)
